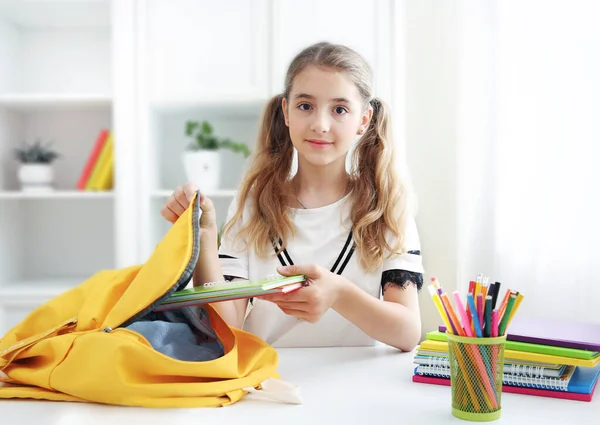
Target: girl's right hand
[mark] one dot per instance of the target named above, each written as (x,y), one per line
(180,200)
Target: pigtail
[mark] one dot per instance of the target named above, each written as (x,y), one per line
(378,193)
(265,181)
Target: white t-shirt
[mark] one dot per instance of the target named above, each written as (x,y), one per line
(321,238)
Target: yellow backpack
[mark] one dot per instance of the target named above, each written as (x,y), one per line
(92,343)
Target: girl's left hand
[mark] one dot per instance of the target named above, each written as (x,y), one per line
(309,303)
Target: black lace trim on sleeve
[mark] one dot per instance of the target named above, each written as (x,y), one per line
(401,279)
(229,278)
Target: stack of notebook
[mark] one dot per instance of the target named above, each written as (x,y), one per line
(542,358)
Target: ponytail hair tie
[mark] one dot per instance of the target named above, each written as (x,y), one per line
(376,104)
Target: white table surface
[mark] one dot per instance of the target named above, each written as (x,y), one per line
(367,386)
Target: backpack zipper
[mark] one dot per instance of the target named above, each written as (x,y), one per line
(185,276)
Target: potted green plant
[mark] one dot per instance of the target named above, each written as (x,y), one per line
(201,158)
(35,171)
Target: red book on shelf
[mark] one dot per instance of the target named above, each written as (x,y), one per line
(93,157)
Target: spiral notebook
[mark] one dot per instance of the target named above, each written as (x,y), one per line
(232,290)
(559,383)
(589,381)
(510,367)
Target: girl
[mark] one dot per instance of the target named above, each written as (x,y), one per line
(349,232)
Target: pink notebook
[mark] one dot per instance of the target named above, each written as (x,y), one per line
(515,390)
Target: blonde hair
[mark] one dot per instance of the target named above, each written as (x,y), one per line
(378,197)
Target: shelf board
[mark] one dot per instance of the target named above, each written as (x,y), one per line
(58,194)
(221,106)
(36,291)
(219,193)
(57,14)
(52,101)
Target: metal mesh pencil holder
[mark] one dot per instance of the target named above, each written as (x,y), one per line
(476,371)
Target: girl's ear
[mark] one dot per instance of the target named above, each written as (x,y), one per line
(365,120)
(285,111)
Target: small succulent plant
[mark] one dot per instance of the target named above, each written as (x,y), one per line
(36,153)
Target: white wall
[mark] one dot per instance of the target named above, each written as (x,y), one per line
(431,144)
(475,136)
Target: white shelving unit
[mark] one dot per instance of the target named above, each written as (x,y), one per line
(141,68)
(163,166)
(28,102)
(56,85)
(217,71)
(220,193)
(64,194)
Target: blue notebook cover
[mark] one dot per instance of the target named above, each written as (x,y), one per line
(584,379)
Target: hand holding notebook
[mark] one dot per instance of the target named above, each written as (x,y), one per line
(232,290)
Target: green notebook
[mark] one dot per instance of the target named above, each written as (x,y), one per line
(231,290)
(572,353)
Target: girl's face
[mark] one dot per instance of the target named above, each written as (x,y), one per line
(324,114)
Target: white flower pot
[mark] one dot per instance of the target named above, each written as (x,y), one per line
(203,167)
(36,177)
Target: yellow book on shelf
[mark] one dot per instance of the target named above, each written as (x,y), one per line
(105,175)
(442,347)
(95,181)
